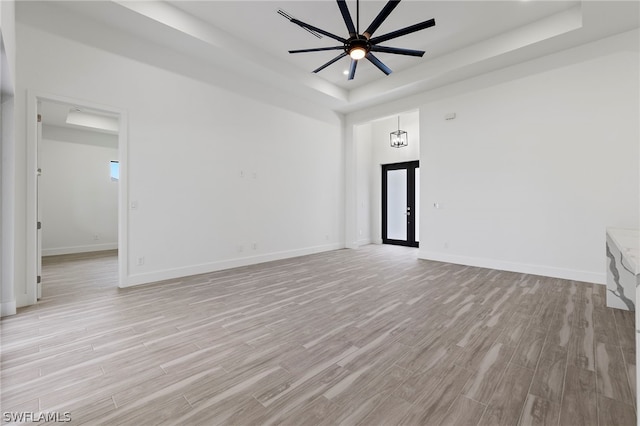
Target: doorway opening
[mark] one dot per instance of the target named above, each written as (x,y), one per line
(372,150)
(77,207)
(400,203)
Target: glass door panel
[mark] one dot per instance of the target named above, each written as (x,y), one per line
(397,204)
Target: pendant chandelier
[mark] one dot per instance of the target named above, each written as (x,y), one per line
(399,138)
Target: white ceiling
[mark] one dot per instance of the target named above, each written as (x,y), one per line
(55,114)
(249,39)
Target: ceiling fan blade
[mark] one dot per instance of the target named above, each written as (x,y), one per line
(342,4)
(403,31)
(384,13)
(375,61)
(352,69)
(289,18)
(337,58)
(319,49)
(397,50)
(318,30)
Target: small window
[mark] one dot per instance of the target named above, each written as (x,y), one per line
(115,171)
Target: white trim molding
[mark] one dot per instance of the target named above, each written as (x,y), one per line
(205,268)
(523,268)
(79,249)
(8,308)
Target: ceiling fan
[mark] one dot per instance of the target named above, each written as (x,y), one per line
(358,46)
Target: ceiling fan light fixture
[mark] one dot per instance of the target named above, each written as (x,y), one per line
(357,53)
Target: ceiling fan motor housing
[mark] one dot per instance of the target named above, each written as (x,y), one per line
(357,42)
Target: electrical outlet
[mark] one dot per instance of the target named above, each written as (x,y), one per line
(140,261)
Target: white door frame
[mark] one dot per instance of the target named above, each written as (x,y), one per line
(38,209)
(33,97)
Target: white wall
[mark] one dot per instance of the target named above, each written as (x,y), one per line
(532,171)
(365,176)
(7,169)
(79,199)
(8,32)
(213,174)
(541,158)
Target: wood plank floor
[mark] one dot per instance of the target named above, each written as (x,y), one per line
(370,336)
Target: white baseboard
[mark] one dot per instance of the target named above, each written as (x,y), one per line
(79,249)
(524,268)
(169,274)
(364,242)
(7,308)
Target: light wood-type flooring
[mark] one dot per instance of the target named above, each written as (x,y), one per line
(371,336)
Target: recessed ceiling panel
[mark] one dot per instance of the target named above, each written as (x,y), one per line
(458,24)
